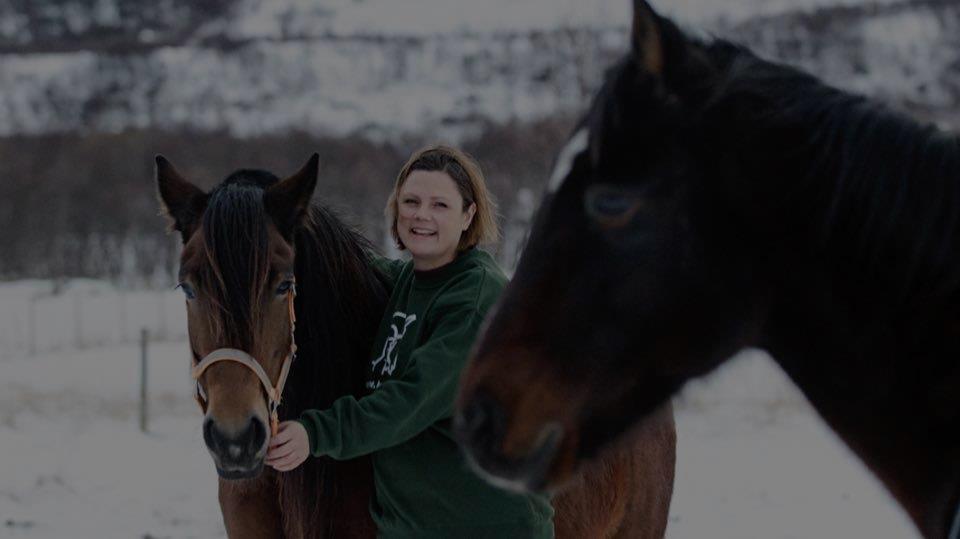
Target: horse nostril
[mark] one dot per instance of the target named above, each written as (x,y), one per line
(483,421)
(210,435)
(257,435)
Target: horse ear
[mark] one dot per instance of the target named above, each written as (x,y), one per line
(181,201)
(287,201)
(646,38)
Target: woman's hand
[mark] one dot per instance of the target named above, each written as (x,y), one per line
(289,448)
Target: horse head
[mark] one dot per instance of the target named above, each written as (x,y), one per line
(634,278)
(237,273)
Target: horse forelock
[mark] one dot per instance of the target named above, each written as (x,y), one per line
(236,243)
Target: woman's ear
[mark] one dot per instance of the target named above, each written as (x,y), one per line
(468,215)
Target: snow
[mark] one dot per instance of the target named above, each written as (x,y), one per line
(75,463)
(274,18)
(914,64)
(388,69)
(753,461)
(42,316)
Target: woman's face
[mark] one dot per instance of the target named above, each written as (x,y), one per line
(431,218)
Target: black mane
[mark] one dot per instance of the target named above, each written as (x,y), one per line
(876,189)
(855,180)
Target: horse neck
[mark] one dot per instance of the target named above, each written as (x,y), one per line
(340,300)
(893,401)
(864,313)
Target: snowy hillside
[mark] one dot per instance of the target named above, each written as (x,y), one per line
(384,69)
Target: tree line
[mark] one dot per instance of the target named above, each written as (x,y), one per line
(84,205)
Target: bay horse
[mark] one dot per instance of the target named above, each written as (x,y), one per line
(259,255)
(710,201)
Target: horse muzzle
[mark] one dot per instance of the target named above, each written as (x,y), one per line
(481,427)
(240,454)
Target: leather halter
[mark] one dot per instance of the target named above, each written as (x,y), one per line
(274,392)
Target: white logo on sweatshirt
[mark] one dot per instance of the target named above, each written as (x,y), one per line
(389,354)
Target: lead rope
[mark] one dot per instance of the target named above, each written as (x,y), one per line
(274,393)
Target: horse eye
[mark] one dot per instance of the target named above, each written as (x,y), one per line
(284,287)
(188,290)
(610,206)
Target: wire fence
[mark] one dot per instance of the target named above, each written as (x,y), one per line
(34,319)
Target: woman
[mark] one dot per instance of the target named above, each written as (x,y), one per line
(440,211)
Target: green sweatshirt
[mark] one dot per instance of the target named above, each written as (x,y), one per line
(424,488)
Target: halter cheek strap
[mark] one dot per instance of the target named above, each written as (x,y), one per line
(274,392)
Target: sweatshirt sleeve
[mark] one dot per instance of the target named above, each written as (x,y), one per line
(404,406)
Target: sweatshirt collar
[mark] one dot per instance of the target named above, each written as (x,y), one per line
(432,277)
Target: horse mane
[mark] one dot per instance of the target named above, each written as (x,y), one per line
(339,303)
(859,184)
(876,189)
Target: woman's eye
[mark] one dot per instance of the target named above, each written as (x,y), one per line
(188,290)
(440,205)
(409,202)
(284,287)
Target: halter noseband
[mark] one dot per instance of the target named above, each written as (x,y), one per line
(274,393)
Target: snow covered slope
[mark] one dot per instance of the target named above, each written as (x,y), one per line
(389,68)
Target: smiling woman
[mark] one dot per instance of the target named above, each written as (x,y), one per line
(440,211)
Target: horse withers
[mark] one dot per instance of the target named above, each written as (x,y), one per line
(711,201)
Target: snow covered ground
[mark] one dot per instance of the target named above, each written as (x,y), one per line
(753,462)
(75,464)
(41,316)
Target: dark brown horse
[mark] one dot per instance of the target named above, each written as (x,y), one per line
(248,244)
(711,201)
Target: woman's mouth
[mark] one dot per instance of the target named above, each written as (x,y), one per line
(422,232)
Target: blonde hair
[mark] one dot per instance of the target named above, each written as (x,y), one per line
(466,175)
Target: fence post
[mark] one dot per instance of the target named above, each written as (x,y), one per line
(144,337)
(77,322)
(123,317)
(32,326)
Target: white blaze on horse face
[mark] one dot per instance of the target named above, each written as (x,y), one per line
(577,145)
